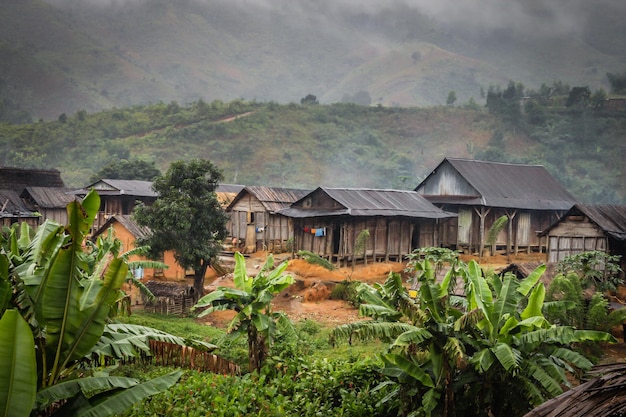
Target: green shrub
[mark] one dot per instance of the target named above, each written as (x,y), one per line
(315,388)
(347,291)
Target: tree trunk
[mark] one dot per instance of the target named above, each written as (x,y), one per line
(257,350)
(198,280)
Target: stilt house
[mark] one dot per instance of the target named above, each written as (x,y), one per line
(255,221)
(481,192)
(328,222)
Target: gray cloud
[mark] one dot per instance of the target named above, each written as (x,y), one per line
(521,17)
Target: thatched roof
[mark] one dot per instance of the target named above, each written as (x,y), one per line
(603,396)
(168,289)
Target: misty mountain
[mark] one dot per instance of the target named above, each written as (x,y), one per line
(62,56)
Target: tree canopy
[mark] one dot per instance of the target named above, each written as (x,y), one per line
(186,217)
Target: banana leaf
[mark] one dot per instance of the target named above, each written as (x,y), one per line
(18,373)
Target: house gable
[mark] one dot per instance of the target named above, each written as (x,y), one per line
(445,180)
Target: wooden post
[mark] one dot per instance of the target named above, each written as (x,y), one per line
(509,233)
(481,231)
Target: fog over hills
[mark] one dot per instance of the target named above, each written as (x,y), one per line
(61,56)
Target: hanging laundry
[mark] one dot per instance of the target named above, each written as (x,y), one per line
(313,231)
(320,232)
(260,229)
(307,230)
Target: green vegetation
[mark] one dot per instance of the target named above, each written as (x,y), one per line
(341,145)
(490,353)
(55,302)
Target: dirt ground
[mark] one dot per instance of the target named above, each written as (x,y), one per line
(308,298)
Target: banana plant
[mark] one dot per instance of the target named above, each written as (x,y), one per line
(251,300)
(493,353)
(56,315)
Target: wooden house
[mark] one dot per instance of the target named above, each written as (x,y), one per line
(50,202)
(128,232)
(255,222)
(13,182)
(481,192)
(328,222)
(119,197)
(14,210)
(588,228)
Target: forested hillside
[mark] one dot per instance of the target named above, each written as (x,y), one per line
(307,145)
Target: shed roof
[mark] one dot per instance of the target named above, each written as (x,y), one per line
(603,396)
(49,197)
(370,202)
(608,217)
(506,185)
(11,205)
(129,224)
(272,198)
(123,187)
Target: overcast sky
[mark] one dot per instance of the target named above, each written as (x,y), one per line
(538,17)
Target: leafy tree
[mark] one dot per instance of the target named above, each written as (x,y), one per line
(54,309)
(506,103)
(578,96)
(492,353)
(309,99)
(124,169)
(451,99)
(186,217)
(618,82)
(251,300)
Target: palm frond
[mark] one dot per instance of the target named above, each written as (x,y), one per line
(368,330)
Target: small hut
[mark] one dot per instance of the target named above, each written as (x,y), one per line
(588,228)
(170,298)
(255,222)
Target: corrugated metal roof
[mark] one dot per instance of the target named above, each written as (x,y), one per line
(509,185)
(273,199)
(11,205)
(608,217)
(49,197)
(372,202)
(120,187)
(127,221)
(229,188)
